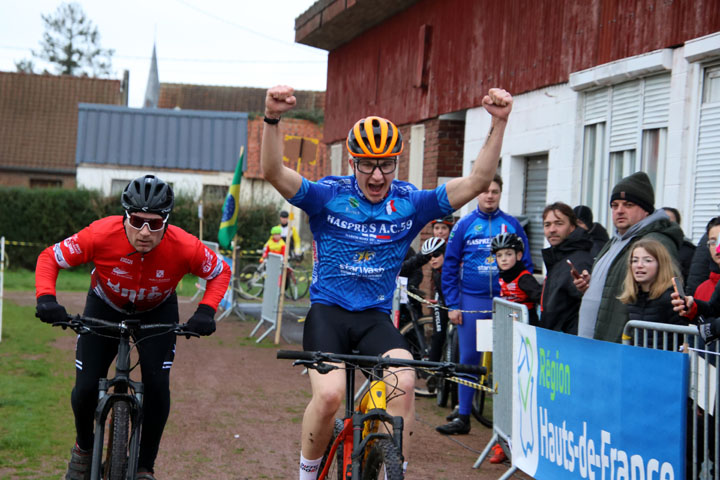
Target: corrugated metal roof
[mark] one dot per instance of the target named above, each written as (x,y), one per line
(158,138)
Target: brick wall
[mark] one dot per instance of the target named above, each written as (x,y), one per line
(38,125)
(288,126)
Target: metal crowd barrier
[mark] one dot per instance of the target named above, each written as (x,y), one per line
(504,313)
(271,295)
(702,415)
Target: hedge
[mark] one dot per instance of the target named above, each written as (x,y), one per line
(47,216)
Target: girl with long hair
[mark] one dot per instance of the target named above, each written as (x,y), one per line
(648,284)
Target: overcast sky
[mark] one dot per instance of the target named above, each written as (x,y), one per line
(211,42)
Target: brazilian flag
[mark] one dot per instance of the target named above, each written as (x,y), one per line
(228,224)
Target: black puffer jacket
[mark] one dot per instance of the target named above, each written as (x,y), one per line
(599,237)
(560,299)
(658,310)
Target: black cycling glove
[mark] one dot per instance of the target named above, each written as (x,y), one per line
(49,311)
(202,322)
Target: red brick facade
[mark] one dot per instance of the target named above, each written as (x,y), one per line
(38,125)
(312,169)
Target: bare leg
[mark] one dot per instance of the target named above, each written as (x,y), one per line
(328,392)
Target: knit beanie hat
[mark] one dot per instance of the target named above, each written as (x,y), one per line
(584,214)
(637,189)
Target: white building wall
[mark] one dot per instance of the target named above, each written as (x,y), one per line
(542,121)
(252,191)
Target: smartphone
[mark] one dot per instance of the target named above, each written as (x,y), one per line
(678,285)
(573,270)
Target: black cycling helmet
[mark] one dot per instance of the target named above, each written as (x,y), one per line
(374,137)
(506,240)
(433,244)
(148,194)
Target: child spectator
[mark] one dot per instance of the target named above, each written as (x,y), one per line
(517,284)
(648,284)
(275,244)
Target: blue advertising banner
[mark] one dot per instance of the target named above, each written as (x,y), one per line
(589,409)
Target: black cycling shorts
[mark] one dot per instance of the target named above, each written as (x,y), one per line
(330,328)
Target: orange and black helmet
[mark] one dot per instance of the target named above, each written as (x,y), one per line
(374,137)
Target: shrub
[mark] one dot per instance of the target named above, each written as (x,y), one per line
(47,216)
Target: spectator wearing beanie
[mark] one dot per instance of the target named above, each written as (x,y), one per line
(602,315)
(596,231)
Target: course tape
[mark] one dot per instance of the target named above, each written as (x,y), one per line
(435,305)
(24,244)
(467,383)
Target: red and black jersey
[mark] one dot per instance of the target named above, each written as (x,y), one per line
(127,280)
(518,285)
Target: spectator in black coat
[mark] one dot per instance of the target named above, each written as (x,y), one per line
(560,299)
(596,231)
(687,248)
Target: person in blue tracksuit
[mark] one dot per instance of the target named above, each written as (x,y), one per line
(470,281)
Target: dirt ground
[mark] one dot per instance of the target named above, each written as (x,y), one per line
(236,411)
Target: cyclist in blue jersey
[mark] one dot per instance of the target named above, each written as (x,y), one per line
(470,281)
(362,226)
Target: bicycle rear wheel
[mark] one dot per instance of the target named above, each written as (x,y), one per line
(419,347)
(383,461)
(447,390)
(251,282)
(116,460)
(335,471)
(302,278)
(482,400)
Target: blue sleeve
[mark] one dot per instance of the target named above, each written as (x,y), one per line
(432,204)
(451,266)
(312,196)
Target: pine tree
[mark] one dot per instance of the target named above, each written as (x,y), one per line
(71,44)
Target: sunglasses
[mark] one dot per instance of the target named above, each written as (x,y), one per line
(437,254)
(154,224)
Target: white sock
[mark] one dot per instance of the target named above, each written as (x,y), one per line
(309,468)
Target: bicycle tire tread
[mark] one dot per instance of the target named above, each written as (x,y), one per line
(119,434)
(383,453)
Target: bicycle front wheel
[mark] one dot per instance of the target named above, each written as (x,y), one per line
(251,282)
(335,470)
(447,390)
(419,345)
(383,461)
(116,461)
(303,278)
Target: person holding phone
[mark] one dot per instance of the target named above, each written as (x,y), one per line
(567,256)
(651,279)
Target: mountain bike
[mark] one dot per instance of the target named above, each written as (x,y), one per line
(120,399)
(251,282)
(362,445)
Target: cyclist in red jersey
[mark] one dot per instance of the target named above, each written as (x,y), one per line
(139,259)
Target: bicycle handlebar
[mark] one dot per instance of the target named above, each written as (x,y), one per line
(81,324)
(369,361)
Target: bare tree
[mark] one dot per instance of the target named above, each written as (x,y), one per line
(71,44)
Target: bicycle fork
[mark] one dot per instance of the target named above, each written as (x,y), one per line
(365,426)
(121,384)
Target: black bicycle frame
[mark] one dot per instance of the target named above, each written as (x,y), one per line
(123,389)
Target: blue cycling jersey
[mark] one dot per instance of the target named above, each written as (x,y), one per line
(359,246)
(469,265)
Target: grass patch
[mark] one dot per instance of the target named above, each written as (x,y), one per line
(36,422)
(77,280)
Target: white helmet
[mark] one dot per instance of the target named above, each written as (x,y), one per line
(432,244)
